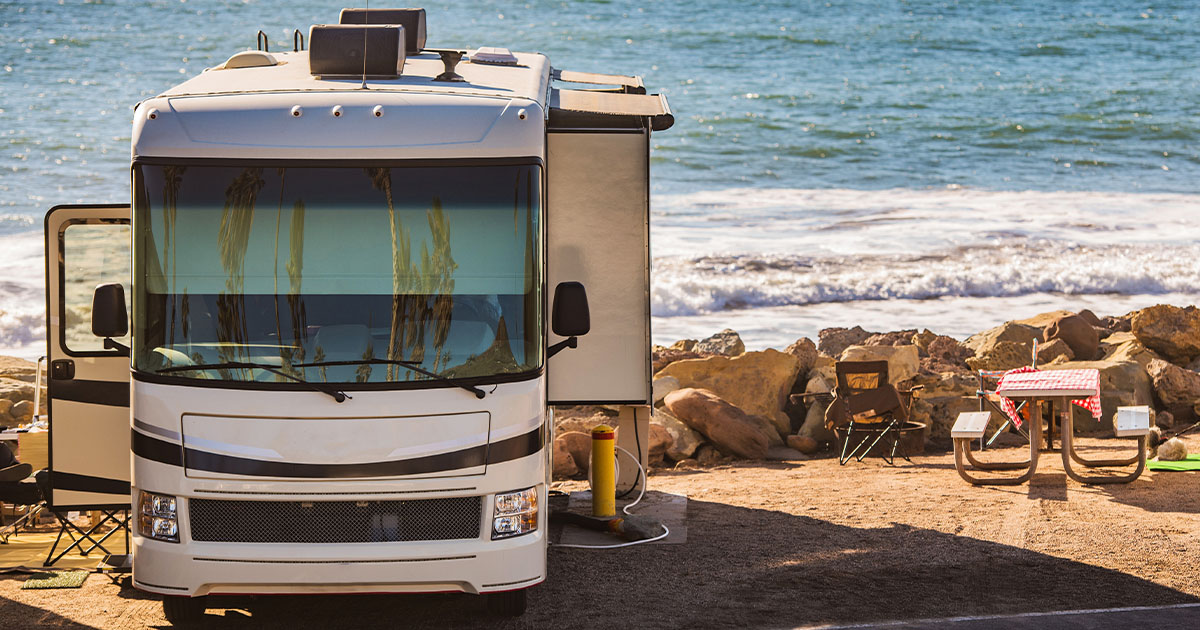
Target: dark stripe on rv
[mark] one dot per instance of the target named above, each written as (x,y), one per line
(86,483)
(110,393)
(156,449)
(505,450)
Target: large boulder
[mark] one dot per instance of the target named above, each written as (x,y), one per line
(813,426)
(1054,349)
(579,445)
(832,341)
(1176,388)
(726,343)
(1170,331)
(663,386)
(1077,333)
(805,445)
(1122,384)
(805,351)
(942,398)
(686,345)
(942,354)
(1016,332)
(903,361)
(660,443)
(22,411)
(684,439)
(564,462)
(725,425)
(1002,355)
(662,357)
(757,382)
(894,338)
(1124,346)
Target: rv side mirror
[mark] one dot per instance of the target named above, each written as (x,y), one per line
(109,317)
(570,317)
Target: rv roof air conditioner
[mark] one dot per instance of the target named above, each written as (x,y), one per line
(413,21)
(337,50)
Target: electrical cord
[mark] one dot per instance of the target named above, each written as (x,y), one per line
(642,493)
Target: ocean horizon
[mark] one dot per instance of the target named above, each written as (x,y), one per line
(924,165)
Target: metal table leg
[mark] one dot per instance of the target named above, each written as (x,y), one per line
(962,446)
(1068,454)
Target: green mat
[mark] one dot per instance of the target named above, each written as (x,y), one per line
(1191,463)
(62,579)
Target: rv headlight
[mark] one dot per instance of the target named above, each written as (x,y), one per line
(157,518)
(515,513)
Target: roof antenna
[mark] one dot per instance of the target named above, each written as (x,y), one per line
(365,29)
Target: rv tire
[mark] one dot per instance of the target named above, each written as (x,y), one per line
(184,611)
(507,603)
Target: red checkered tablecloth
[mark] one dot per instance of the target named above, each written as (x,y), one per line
(1027,378)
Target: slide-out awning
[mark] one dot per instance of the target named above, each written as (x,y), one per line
(629,100)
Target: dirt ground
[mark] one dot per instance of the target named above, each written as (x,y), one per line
(774,545)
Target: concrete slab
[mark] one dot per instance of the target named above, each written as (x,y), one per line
(669,509)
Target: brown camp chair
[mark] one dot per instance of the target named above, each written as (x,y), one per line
(866,404)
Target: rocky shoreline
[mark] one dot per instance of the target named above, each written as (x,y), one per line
(714,402)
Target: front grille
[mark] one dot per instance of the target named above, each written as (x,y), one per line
(215,520)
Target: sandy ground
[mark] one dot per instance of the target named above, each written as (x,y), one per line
(790,544)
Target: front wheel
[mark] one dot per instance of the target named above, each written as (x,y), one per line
(184,611)
(508,603)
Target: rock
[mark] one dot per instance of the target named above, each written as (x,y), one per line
(784,454)
(1173,450)
(814,420)
(1117,324)
(1053,349)
(1122,383)
(564,463)
(5,405)
(903,361)
(805,445)
(582,425)
(1015,332)
(708,455)
(1041,320)
(1176,388)
(662,357)
(1124,346)
(663,386)
(726,343)
(832,341)
(942,398)
(1088,316)
(1164,419)
(1002,355)
(1170,331)
(757,382)
(724,424)
(684,439)
(894,338)
(580,446)
(15,389)
(685,345)
(805,351)
(660,442)
(1078,334)
(943,354)
(22,411)
(17,369)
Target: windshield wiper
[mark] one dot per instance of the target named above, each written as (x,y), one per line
(334,392)
(412,365)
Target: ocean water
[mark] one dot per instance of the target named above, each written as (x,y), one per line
(943,165)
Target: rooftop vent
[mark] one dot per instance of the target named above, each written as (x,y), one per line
(250,59)
(337,50)
(413,21)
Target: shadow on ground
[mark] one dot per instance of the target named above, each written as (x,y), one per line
(746,568)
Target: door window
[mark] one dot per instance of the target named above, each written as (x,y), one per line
(93,253)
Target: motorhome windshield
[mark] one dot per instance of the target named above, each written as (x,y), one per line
(324,271)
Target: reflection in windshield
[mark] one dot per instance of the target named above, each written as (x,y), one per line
(452,284)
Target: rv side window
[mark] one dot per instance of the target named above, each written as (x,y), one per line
(93,253)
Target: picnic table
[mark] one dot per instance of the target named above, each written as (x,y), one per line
(1059,389)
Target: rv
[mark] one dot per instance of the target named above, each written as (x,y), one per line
(318,351)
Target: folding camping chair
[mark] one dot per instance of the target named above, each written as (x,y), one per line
(865,403)
(18,488)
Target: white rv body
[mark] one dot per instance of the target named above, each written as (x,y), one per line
(372,483)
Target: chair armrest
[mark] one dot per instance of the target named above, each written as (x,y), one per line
(16,472)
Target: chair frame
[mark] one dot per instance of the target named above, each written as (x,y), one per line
(892,424)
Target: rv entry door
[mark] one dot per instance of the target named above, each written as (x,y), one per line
(88,385)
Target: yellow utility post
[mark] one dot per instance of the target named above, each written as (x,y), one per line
(604,480)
